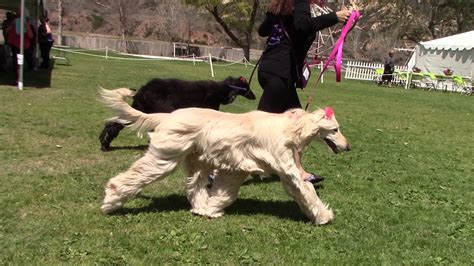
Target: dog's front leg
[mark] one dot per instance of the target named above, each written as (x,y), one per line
(305,195)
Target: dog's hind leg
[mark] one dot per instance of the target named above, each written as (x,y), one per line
(224,191)
(110,132)
(126,185)
(196,186)
(306,197)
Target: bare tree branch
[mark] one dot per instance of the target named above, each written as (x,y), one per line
(224,25)
(100,4)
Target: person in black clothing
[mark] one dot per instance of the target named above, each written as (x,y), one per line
(284,57)
(281,61)
(388,69)
(9,19)
(30,52)
(6,51)
(45,39)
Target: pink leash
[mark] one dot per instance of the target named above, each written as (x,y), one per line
(337,52)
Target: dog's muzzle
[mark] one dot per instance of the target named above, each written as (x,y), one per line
(249,95)
(335,148)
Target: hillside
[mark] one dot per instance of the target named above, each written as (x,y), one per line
(166,21)
(384,25)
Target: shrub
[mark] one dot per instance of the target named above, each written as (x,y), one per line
(97,21)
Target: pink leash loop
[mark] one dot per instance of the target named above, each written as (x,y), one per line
(338,50)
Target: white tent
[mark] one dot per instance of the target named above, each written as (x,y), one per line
(455,52)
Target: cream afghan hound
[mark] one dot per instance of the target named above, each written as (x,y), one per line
(235,144)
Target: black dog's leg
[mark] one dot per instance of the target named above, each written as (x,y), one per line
(110,132)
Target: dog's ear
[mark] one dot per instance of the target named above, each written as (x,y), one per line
(243,79)
(229,80)
(328,120)
(295,114)
(328,113)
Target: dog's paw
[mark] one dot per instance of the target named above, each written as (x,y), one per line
(108,208)
(215,214)
(111,204)
(207,213)
(325,217)
(201,212)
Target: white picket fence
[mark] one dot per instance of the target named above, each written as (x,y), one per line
(366,71)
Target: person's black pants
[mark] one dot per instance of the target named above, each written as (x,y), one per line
(30,58)
(15,53)
(279,94)
(387,74)
(45,48)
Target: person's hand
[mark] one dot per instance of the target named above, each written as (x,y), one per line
(343,15)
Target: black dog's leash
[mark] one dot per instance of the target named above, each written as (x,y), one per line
(254,68)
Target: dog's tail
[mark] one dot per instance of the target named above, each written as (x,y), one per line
(116,100)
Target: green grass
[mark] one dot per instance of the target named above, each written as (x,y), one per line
(404,194)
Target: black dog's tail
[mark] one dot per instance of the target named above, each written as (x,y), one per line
(116,100)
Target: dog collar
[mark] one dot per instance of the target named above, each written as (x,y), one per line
(238,87)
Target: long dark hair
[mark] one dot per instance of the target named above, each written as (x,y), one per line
(281,7)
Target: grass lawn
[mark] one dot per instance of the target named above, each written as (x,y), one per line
(404,194)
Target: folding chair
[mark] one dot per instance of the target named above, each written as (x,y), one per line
(431,82)
(401,77)
(469,88)
(416,80)
(463,85)
(378,75)
(444,82)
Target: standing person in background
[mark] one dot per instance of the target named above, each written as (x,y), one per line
(14,38)
(8,20)
(283,58)
(388,69)
(6,51)
(30,51)
(46,40)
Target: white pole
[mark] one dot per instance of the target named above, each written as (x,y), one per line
(210,62)
(174,50)
(407,85)
(194,60)
(106,53)
(22,46)
(322,76)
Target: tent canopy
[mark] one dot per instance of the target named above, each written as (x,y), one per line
(462,41)
(455,52)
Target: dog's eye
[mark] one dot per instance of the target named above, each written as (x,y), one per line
(336,130)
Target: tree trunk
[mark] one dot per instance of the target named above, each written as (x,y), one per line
(122,20)
(247,52)
(60,22)
(460,23)
(248,34)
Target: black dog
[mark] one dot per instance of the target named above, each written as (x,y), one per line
(167,95)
